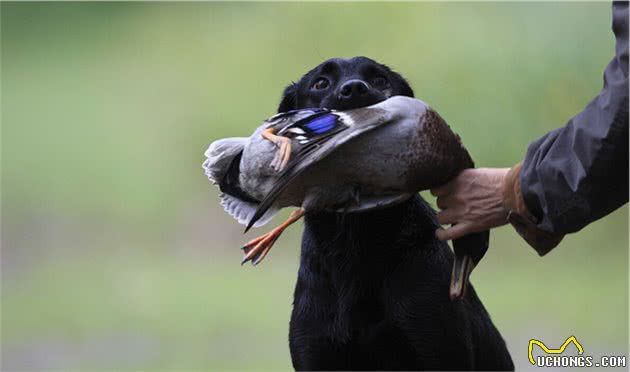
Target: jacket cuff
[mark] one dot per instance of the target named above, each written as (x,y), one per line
(521,219)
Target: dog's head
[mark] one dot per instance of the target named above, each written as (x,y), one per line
(344,84)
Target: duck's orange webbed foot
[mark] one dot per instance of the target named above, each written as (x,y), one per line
(258,248)
(283,155)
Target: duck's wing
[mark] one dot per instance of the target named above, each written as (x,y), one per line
(324,132)
(307,126)
(287,118)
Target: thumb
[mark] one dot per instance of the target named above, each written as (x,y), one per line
(454,232)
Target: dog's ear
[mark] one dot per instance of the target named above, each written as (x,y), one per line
(289,98)
(401,86)
(405,88)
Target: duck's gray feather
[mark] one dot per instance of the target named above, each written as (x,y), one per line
(243,211)
(219,156)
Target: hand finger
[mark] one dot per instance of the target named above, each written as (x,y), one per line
(449,216)
(445,202)
(456,231)
(442,190)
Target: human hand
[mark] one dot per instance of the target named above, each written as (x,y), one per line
(472,202)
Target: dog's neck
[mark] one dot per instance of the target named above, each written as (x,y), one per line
(382,237)
(346,259)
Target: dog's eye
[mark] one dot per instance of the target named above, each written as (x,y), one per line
(379,82)
(321,83)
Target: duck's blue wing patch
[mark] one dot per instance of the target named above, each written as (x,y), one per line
(314,128)
(321,124)
(287,118)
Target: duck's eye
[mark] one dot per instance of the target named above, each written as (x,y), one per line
(321,84)
(379,82)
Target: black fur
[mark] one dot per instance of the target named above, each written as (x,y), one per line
(372,288)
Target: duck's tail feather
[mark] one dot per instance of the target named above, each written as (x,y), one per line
(243,211)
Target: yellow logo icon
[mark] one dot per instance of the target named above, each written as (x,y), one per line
(552,351)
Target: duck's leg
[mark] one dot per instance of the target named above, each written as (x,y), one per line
(258,248)
(284,148)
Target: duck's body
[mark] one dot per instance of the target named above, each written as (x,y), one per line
(407,148)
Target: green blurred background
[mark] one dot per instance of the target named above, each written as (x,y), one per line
(115,251)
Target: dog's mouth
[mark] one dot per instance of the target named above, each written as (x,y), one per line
(342,106)
(369,98)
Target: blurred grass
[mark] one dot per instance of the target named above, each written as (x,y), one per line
(115,251)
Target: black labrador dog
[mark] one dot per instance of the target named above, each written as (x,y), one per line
(372,288)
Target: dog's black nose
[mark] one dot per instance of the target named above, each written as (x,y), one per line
(353,88)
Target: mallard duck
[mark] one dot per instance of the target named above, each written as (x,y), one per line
(345,161)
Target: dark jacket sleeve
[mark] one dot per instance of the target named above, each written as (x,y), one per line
(577,174)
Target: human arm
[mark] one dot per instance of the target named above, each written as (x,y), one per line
(569,178)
